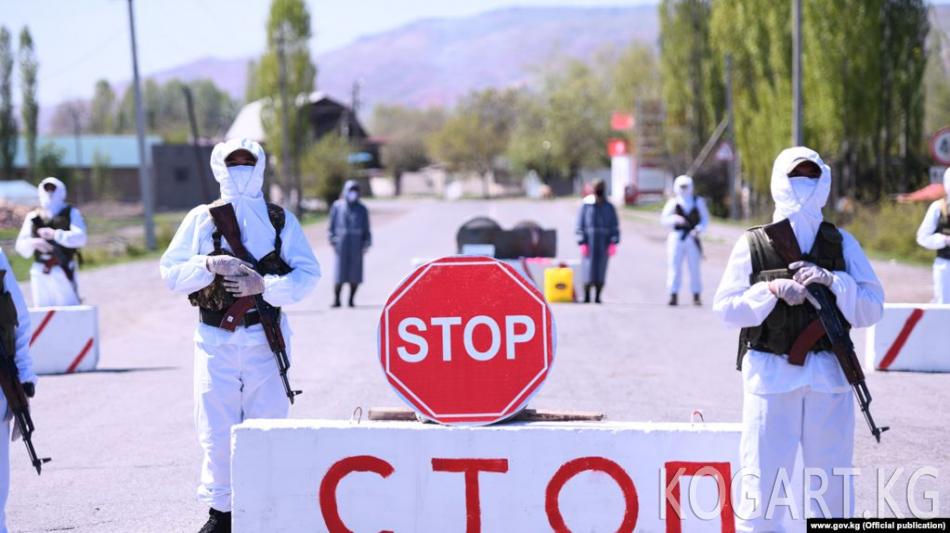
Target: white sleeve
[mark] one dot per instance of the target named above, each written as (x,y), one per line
(24,362)
(668,215)
(857,290)
(75,236)
(703,214)
(927,235)
(183,264)
(296,251)
(24,240)
(738,303)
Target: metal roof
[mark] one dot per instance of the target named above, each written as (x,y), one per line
(122,151)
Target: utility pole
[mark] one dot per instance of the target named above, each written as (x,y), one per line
(145,180)
(797,133)
(293,193)
(196,147)
(735,211)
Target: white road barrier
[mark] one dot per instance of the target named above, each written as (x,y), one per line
(64,339)
(910,337)
(320,475)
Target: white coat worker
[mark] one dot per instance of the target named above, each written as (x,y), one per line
(687,217)
(934,234)
(52,235)
(236,374)
(15,335)
(787,407)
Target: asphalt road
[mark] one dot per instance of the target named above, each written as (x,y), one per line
(126,457)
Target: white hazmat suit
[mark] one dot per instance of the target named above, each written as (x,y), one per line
(24,366)
(49,284)
(787,408)
(929,237)
(236,374)
(683,244)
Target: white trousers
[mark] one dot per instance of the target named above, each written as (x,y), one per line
(775,428)
(941,281)
(232,384)
(52,289)
(678,251)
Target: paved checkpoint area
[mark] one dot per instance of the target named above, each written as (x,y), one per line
(126,457)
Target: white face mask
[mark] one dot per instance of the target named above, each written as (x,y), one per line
(352,196)
(241,176)
(45,198)
(804,188)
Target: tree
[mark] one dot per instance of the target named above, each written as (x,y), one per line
(288,30)
(49,162)
(404,131)
(166,111)
(635,76)
(8,125)
(937,85)
(325,167)
(67,115)
(29,107)
(102,109)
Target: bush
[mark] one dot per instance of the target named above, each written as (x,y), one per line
(889,230)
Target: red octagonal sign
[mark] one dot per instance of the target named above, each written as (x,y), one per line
(466,340)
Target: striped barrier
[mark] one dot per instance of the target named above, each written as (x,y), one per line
(64,339)
(913,337)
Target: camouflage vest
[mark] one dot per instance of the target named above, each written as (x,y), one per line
(215,297)
(785,323)
(9,320)
(692,218)
(63,221)
(943,227)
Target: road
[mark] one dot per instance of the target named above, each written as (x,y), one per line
(126,457)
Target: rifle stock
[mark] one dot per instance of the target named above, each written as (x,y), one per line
(782,238)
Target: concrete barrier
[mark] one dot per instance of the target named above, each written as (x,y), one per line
(64,339)
(317,475)
(910,337)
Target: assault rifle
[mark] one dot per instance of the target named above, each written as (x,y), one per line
(57,256)
(783,240)
(226,222)
(10,383)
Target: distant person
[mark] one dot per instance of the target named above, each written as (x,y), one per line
(805,405)
(598,234)
(236,373)
(686,215)
(934,234)
(15,335)
(350,236)
(52,235)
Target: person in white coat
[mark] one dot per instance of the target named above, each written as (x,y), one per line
(14,332)
(934,234)
(52,235)
(790,407)
(236,374)
(687,217)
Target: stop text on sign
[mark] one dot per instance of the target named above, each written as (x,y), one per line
(515,330)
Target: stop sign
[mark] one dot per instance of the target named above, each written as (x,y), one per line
(466,340)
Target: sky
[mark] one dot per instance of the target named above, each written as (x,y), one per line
(81,41)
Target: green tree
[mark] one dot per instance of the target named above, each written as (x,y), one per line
(288,29)
(102,109)
(325,167)
(635,76)
(8,125)
(49,162)
(99,176)
(29,107)
(937,85)
(404,131)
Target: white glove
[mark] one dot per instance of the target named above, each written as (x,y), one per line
(246,283)
(694,233)
(42,246)
(793,292)
(46,233)
(680,220)
(946,240)
(808,273)
(225,265)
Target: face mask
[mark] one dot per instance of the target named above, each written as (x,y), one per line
(803,188)
(241,176)
(45,199)
(352,196)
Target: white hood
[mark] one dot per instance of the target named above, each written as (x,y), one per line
(51,203)
(803,212)
(244,190)
(685,198)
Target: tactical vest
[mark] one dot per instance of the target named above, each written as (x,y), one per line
(943,228)
(9,320)
(215,297)
(785,323)
(692,218)
(63,221)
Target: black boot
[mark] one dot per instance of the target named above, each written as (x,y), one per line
(597,288)
(696,299)
(672,299)
(353,287)
(587,293)
(218,522)
(336,294)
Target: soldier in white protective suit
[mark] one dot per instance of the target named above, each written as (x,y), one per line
(790,407)
(52,235)
(934,234)
(236,373)
(687,217)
